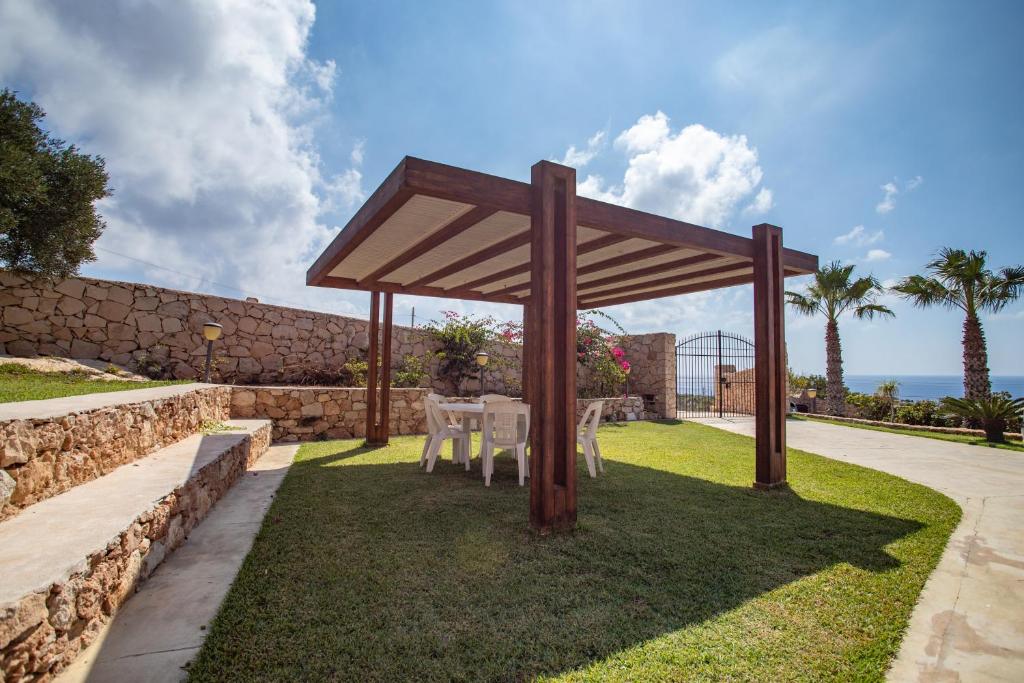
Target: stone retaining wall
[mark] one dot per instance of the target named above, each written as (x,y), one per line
(43,633)
(126,323)
(314,413)
(1010,436)
(311,413)
(43,457)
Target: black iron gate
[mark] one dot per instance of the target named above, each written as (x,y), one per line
(715,375)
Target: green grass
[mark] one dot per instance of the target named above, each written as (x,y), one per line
(368,569)
(957,438)
(19,383)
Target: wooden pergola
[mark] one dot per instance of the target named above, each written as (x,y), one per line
(437,230)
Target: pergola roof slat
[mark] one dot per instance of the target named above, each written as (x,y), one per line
(436,230)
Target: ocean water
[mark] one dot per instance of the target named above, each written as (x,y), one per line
(933,387)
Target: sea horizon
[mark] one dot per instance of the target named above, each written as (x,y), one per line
(931,387)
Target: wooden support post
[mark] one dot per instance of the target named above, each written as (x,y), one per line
(371,373)
(384,421)
(550,347)
(524,377)
(769,358)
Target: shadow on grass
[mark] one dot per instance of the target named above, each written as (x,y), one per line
(377,571)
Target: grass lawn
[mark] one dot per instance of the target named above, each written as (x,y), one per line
(19,383)
(369,569)
(958,438)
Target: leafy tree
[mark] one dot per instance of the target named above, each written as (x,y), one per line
(958,279)
(47,188)
(834,292)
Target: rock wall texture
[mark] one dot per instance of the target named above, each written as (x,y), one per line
(310,413)
(125,323)
(313,413)
(43,457)
(43,632)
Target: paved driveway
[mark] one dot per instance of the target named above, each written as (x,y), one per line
(969,623)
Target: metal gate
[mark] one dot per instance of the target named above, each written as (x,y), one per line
(715,375)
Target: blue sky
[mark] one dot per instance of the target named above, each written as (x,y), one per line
(871,132)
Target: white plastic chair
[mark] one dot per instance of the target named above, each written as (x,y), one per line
(506,424)
(493,398)
(441,427)
(586,434)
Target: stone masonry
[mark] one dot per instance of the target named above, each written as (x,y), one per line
(44,457)
(262,344)
(43,632)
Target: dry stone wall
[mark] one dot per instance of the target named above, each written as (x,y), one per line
(125,323)
(43,457)
(43,632)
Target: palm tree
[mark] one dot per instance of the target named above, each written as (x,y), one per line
(834,292)
(958,279)
(889,391)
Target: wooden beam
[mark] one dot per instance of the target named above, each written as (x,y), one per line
(550,347)
(383,432)
(371,373)
(769,358)
(595,301)
(453,229)
(679,279)
(649,270)
(475,258)
(469,187)
(395,288)
(382,204)
(584,248)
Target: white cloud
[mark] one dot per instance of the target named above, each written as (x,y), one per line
(763,202)
(877,255)
(860,237)
(205,113)
(695,174)
(578,158)
(891,189)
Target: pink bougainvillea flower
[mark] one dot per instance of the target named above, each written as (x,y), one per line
(625,366)
(618,352)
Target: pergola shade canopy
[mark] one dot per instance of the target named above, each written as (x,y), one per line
(436,230)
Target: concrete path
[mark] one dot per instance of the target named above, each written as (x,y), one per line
(160,629)
(969,622)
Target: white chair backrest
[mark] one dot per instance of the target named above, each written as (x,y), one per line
(591,419)
(502,420)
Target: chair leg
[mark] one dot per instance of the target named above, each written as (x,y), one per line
(588,453)
(488,464)
(598,457)
(521,458)
(436,442)
(467,450)
(426,448)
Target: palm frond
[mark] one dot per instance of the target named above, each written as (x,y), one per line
(804,304)
(925,292)
(869,311)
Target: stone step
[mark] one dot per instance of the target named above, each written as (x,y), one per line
(69,562)
(50,446)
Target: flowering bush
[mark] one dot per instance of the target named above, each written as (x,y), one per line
(602,362)
(459,338)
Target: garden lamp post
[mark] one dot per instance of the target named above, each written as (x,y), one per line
(627,370)
(812,393)
(211,332)
(481,360)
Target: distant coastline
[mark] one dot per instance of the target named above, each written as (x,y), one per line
(933,387)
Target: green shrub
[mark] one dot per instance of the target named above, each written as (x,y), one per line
(410,373)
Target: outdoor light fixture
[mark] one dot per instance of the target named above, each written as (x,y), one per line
(812,393)
(211,332)
(481,360)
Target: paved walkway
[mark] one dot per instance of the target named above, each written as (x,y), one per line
(969,622)
(160,629)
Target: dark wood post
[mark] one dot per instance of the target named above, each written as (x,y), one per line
(384,422)
(371,372)
(524,375)
(769,358)
(550,347)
